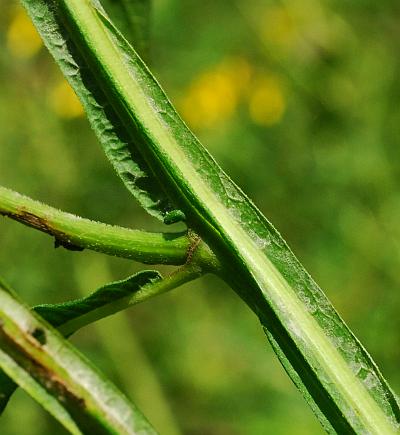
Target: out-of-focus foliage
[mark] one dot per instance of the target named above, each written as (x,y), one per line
(299,103)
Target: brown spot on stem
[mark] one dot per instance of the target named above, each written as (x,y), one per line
(42,374)
(42,224)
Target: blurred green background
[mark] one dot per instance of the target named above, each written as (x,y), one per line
(299,102)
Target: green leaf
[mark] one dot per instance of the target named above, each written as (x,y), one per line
(73,315)
(132,17)
(324,359)
(47,366)
(121,145)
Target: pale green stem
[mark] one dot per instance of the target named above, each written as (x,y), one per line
(76,233)
(59,378)
(227,217)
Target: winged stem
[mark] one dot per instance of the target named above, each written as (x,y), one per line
(324,359)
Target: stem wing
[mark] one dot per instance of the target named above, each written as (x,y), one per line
(121,145)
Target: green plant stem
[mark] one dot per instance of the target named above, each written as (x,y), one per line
(74,232)
(184,274)
(78,319)
(36,357)
(327,363)
(267,274)
(144,385)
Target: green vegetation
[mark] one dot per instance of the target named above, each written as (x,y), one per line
(175,179)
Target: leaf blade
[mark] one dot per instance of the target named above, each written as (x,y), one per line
(66,312)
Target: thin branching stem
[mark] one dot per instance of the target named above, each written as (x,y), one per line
(184,274)
(77,233)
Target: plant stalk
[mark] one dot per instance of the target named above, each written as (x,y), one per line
(76,233)
(184,274)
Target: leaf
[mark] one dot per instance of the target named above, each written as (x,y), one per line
(52,371)
(122,147)
(76,312)
(328,364)
(72,315)
(132,17)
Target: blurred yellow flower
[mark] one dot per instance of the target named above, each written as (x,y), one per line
(267,101)
(214,95)
(64,101)
(23,41)
(239,71)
